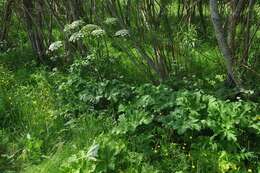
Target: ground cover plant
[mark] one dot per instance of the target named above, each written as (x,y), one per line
(129,86)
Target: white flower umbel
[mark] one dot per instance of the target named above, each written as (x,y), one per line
(87,29)
(98,32)
(76,37)
(73,25)
(122,33)
(55,46)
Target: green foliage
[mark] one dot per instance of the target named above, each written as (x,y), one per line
(92,110)
(158,125)
(96,125)
(130,120)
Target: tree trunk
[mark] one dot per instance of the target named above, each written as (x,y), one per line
(6,19)
(237,8)
(222,42)
(247,32)
(34,32)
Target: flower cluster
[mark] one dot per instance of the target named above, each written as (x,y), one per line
(76,37)
(98,32)
(74,25)
(55,46)
(122,33)
(87,29)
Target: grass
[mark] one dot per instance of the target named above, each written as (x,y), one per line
(29,125)
(81,135)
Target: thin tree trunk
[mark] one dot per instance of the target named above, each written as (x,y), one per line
(36,37)
(247,32)
(237,8)
(6,19)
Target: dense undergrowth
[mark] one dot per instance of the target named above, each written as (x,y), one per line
(69,122)
(121,86)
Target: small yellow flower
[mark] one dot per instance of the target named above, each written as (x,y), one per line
(249,170)
(193,167)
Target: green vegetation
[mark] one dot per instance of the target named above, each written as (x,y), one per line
(142,88)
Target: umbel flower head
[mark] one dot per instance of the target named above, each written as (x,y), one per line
(98,32)
(76,36)
(55,46)
(87,29)
(122,33)
(74,25)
